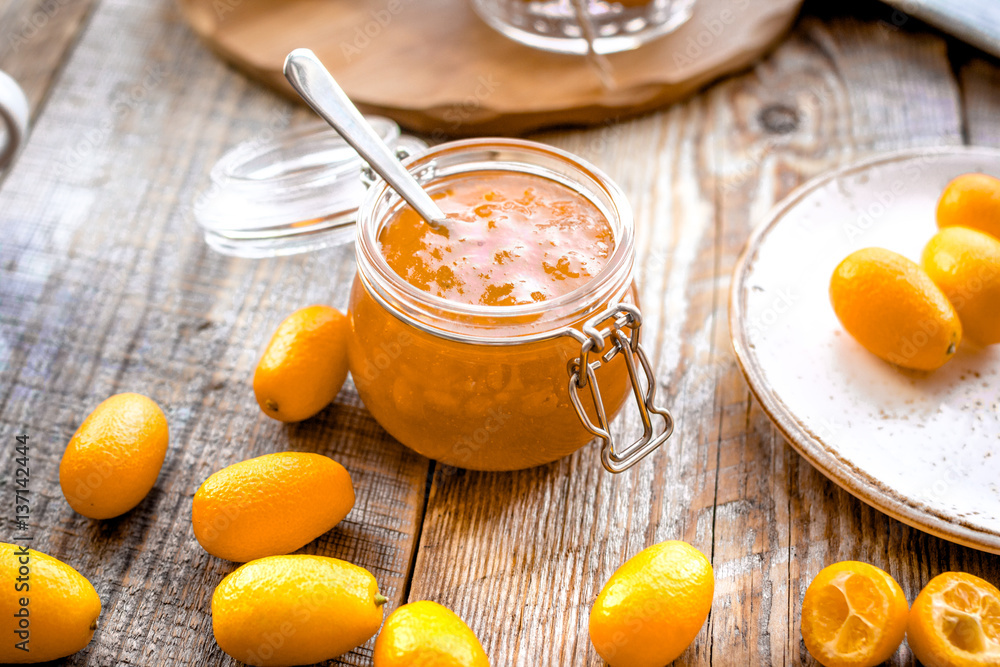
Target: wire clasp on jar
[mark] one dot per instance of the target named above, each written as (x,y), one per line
(622,318)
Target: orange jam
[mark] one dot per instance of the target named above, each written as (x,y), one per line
(511,239)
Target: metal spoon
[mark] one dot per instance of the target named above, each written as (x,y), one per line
(319,89)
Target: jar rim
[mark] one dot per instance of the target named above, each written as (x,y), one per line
(543,319)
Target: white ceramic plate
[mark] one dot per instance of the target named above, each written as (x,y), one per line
(921,447)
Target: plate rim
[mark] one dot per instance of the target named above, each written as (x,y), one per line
(856,482)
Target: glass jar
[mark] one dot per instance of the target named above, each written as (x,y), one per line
(502,387)
(565,26)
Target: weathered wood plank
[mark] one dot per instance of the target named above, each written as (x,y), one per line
(522,556)
(980,81)
(107,286)
(36,38)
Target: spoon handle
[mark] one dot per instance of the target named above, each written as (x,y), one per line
(319,89)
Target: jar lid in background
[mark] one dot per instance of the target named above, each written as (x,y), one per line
(295,192)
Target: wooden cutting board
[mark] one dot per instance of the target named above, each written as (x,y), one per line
(435,67)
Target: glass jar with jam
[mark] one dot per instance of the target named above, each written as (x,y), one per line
(508,337)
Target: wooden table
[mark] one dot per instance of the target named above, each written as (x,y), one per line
(107,286)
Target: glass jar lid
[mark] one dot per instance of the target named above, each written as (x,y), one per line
(297,191)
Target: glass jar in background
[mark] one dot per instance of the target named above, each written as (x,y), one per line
(556,25)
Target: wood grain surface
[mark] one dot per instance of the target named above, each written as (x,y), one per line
(35,39)
(106,286)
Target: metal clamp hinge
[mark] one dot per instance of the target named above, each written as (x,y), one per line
(623,317)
